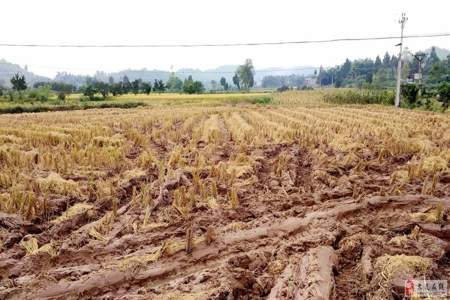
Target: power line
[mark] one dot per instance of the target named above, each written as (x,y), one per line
(262,71)
(411,36)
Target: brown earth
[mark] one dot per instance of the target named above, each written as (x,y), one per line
(300,227)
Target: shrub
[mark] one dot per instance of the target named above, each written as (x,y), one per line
(444,94)
(283,88)
(193,87)
(45,107)
(41,93)
(262,100)
(410,92)
(61,96)
(365,96)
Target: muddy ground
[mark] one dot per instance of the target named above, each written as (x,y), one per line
(298,229)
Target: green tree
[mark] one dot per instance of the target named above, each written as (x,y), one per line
(89,92)
(444,94)
(394,62)
(431,60)
(224,83)
(116,88)
(192,87)
(101,87)
(159,86)
(174,84)
(246,73)
(410,92)
(236,81)
(213,85)
(386,60)
(61,96)
(147,87)
(135,86)
(126,85)
(378,63)
(18,82)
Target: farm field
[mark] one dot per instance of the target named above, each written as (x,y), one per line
(78,101)
(183,200)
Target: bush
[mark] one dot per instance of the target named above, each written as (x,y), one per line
(410,92)
(45,107)
(366,96)
(11,96)
(89,92)
(61,96)
(444,94)
(262,100)
(283,88)
(41,93)
(94,97)
(193,87)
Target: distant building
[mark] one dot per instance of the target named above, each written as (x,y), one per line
(311,81)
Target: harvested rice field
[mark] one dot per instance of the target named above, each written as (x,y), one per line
(296,199)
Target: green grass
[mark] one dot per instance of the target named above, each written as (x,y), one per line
(78,102)
(359,96)
(17,108)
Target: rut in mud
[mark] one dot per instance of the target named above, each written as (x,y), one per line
(226,218)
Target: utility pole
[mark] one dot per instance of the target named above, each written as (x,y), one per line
(420,57)
(402,22)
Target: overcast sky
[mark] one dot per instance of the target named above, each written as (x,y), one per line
(202,21)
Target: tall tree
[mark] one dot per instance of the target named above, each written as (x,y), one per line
(126,84)
(102,88)
(213,85)
(18,82)
(432,60)
(147,87)
(136,85)
(224,83)
(386,60)
(378,63)
(158,86)
(192,87)
(246,73)
(236,81)
(174,83)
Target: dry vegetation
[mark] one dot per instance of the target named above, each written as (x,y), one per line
(290,200)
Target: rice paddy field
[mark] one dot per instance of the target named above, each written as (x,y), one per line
(294,199)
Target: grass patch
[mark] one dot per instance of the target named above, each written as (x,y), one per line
(78,102)
(42,107)
(363,96)
(263,100)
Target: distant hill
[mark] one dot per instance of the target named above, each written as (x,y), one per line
(7,70)
(205,76)
(441,52)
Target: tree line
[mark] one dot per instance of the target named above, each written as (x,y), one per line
(424,75)
(95,89)
(283,81)
(381,72)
